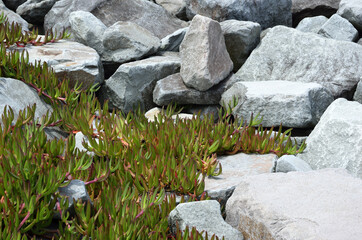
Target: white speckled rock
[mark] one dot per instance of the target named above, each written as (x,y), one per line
(338,28)
(352,11)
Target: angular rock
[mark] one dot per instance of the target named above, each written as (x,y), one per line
(241,37)
(173,90)
(205,216)
(322,204)
(289,163)
(18,95)
(278,12)
(12,4)
(34,11)
(87,29)
(234,167)
(79,63)
(338,28)
(13,17)
(289,54)
(293,104)
(307,8)
(172,42)
(126,41)
(352,11)
(336,140)
(358,93)
(205,60)
(312,24)
(175,7)
(147,14)
(133,83)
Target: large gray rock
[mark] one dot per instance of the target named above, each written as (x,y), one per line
(73,60)
(87,29)
(278,12)
(205,60)
(205,216)
(323,204)
(358,93)
(173,90)
(13,17)
(289,54)
(352,11)
(173,41)
(18,95)
(133,83)
(234,167)
(34,11)
(147,14)
(339,28)
(12,4)
(126,41)
(289,163)
(241,37)
(293,104)
(337,139)
(312,24)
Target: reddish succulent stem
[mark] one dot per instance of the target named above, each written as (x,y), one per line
(24,220)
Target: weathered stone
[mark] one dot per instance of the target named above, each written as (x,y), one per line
(133,83)
(322,204)
(338,28)
(34,11)
(13,17)
(12,4)
(352,11)
(289,54)
(234,167)
(18,95)
(173,90)
(175,7)
(205,60)
(126,41)
(278,12)
(312,24)
(293,104)
(205,216)
(87,29)
(336,140)
(358,93)
(147,14)
(241,37)
(172,42)
(79,63)
(289,163)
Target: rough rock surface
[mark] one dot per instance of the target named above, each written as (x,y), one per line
(205,60)
(322,204)
(358,94)
(144,13)
(133,83)
(13,17)
(175,7)
(173,90)
(278,12)
(189,214)
(241,37)
(34,11)
(79,63)
(234,167)
(173,41)
(294,104)
(312,24)
(291,55)
(12,94)
(352,11)
(336,140)
(338,28)
(289,163)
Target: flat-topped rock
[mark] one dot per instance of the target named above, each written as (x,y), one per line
(324,204)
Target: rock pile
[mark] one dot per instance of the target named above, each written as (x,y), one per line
(203,53)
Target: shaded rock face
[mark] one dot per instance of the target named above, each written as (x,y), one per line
(205,60)
(291,55)
(322,204)
(306,8)
(278,12)
(34,11)
(352,11)
(358,94)
(144,13)
(13,4)
(336,140)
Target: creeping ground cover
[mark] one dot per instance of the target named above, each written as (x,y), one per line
(133,168)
